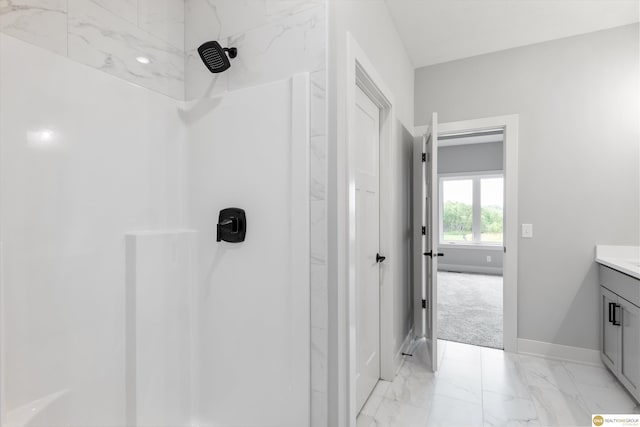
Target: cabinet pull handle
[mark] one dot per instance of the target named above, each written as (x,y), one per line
(615,322)
(611,304)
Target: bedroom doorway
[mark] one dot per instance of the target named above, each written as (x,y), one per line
(477,280)
(471,231)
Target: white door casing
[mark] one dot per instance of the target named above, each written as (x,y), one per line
(367,132)
(510,124)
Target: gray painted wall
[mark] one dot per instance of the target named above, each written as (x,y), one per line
(579,162)
(470,158)
(461,159)
(470,260)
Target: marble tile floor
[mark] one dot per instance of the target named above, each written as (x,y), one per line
(479,386)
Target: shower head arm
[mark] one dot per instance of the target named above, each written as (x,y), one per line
(231,51)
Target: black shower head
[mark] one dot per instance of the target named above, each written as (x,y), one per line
(214,56)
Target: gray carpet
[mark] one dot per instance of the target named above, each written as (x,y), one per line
(470,308)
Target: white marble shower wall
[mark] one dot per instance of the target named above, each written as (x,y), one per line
(275,39)
(86,158)
(110,35)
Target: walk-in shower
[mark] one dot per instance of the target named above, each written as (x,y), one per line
(117,305)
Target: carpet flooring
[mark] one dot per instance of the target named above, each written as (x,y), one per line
(470,308)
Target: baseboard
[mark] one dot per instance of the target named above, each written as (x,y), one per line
(457,268)
(404,348)
(560,352)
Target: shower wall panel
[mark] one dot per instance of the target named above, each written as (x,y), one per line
(249,149)
(275,39)
(84,159)
(160,325)
(110,35)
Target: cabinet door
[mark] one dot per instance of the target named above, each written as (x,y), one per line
(629,368)
(609,337)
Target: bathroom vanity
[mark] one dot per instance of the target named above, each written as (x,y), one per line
(620,310)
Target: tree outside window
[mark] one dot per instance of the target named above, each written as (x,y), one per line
(472,209)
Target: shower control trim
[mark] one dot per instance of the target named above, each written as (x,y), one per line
(232,225)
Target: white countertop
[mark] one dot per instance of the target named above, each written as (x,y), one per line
(625,259)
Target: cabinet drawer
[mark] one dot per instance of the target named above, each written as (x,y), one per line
(625,286)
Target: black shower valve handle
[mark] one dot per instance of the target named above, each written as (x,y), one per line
(232,225)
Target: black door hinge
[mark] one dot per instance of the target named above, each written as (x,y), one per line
(424,157)
(424,230)
(424,303)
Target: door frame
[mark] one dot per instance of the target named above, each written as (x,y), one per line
(510,164)
(361,73)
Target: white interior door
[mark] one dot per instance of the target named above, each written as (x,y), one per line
(426,237)
(367,133)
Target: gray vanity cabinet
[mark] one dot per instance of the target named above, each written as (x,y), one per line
(620,328)
(610,341)
(629,369)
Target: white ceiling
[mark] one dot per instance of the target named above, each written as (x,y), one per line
(435,31)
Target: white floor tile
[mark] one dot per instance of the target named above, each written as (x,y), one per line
(501,410)
(396,414)
(365,420)
(459,352)
(540,372)
(414,385)
(460,380)
(450,412)
(557,408)
(608,400)
(375,400)
(590,375)
(502,373)
(480,386)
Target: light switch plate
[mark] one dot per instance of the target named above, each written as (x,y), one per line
(527,231)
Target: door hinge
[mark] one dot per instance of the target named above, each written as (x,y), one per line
(424,157)
(424,303)
(505,249)
(424,230)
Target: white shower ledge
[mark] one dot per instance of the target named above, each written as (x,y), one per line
(625,259)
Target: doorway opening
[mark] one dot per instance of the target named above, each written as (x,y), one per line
(430,234)
(368,258)
(471,237)
(366,87)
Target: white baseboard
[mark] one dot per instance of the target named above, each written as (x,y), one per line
(458,268)
(404,348)
(560,352)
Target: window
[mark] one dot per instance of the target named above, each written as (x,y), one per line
(471,209)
